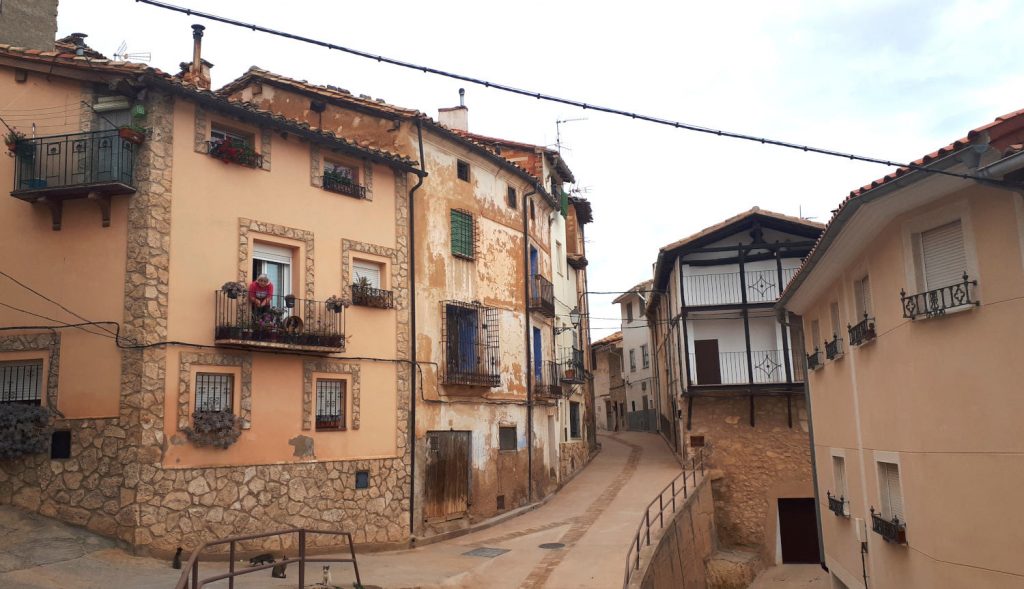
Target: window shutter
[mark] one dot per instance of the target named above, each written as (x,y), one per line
(462,234)
(893,494)
(835,318)
(862,296)
(367,270)
(839,473)
(564,203)
(942,250)
(815,334)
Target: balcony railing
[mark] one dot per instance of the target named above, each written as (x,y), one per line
(548,384)
(571,366)
(768,368)
(863,332)
(469,338)
(837,505)
(367,296)
(288,323)
(814,360)
(762,286)
(343,185)
(834,348)
(234,152)
(891,530)
(932,303)
(542,295)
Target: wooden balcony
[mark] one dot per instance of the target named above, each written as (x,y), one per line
(287,324)
(712,290)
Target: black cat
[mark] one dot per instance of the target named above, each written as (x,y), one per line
(176,563)
(259,559)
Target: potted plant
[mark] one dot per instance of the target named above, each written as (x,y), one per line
(337,177)
(336,303)
(12,138)
(570,373)
(219,429)
(233,289)
(132,134)
(289,301)
(24,430)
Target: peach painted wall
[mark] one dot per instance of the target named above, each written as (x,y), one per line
(941,394)
(82,266)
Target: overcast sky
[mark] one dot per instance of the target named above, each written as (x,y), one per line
(893,80)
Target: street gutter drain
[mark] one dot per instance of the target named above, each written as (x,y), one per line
(552,546)
(486,552)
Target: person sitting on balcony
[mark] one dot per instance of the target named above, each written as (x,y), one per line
(261,292)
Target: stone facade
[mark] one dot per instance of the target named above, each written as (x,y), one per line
(331,366)
(679,555)
(572,456)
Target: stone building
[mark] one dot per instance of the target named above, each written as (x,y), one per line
(31,24)
(641,410)
(147,242)
(609,386)
(729,377)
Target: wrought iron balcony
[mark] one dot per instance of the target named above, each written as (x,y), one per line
(547,384)
(234,152)
(863,332)
(571,370)
(814,360)
(342,185)
(932,303)
(834,348)
(367,296)
(542,295)
(762,286)
(469,338)
(837,505)
(94,165)
(891,530)
(731,368)
(288,323)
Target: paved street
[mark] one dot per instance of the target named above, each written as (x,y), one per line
(594,516)
(792,576)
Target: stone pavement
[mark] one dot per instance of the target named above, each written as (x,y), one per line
(792,576)
(594,516)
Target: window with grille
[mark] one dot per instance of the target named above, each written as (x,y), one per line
(632,360)
(942,256)
(214,391)
(463,234)
(330,404)
(341,171)
(574,419)
(470,341)
(839,476)
(507,438)
(646,354)
(21,382)
(513,201)
(862,297)
(889,487)
(462,168)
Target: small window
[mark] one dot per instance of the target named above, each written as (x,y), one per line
(574,419)
(330,404)
(463,235)
(862,297)
(892,494)
(533,211)
(21,382)
(507,438)
(60,444)
(462,169)
(366,274)
(343,179)
(341,171)
(815,335)
(362,479)
(629,312)
(646,355)
(236,138)
(942,256)
(834,312)
(839,475)
(214,392)
(632,360)
(559,258)
(513,200)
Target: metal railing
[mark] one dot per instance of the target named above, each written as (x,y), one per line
(891,530)
(814,361)
(683,482)
(190,572)
(931,303)
(863,332)
(834,348)
(768,368)
(367,296)
(343,185)
(234,152)
(75,159)
(724,289)
(286,322)
(542,295)
(572,366)
(548,385)
(836,505)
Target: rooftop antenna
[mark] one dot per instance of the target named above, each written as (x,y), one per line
(801,213)
(558,131)
(122,54)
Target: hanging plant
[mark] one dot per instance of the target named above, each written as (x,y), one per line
(24,430)
(12,138)
(336,303)
(132,134)
(218,429)
(233,289)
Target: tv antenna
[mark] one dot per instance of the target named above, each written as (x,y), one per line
(801,214)
(558,131)
(122,54)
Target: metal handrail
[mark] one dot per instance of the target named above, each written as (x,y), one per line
(190,572)
(644,529)
(935,302)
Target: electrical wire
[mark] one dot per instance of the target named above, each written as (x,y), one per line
(567,101)
(48,299)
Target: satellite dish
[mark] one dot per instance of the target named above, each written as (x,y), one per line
(122,54)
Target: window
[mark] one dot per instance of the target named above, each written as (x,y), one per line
(862,298)
(330,404)
(632,360)
(559,258)
(839,476)
(513,202)
(236,138)
(834,312)
(362,479)
(815,335)
(574,419)
(891,493)
(366,274)
(232,146)
(533,211)
(470,341)
(21,382)
(214,392)
(646,356)
(462,168)
(463,235)
(343,179)
(341,171)
(942,256)
(629,312)
(507,438)
(276,262)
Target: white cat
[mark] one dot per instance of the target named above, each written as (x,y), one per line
(327,576)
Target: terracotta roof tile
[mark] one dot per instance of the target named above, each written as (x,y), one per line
(609,339)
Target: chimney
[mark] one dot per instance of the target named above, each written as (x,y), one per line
(199,70)
(456,117)
(79,40)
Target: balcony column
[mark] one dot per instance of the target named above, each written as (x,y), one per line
(782,326)
(746,329)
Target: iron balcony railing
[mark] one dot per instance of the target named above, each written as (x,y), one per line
(572,366)
(343,185)
(287,323)
(863,332)
(367,296)
(73,160)
(469,338)
(891,530)
(931,303)
(834,348)
(837,505)
(234,152)
(768,368)
(814,360)
(701,290)
(547,383)
(542,295)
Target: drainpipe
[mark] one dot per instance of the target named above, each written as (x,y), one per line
(412,324)
(529,350)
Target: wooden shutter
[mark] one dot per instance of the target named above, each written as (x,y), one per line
(367,270)
(462,234)
(943,256)
(815,335)
(862,296)
(834,309)
(839,474)
(892,494)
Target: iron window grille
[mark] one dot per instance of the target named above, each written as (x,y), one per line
(463,234)
(507,438)
(863,332)
(469,337)
(214,392)
(330,404)
(21,382)
(513,201)
(834,348)
(462,169)
(891,530)
(574,420)
(932,303)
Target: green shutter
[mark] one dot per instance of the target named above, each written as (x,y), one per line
(565,203)
(462,234)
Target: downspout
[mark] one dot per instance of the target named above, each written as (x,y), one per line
(412,324)
(529,349)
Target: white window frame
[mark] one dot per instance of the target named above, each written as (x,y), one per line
(911,230)
(220,132)
(862,298)
(884,457)
(276,254)
(361,267)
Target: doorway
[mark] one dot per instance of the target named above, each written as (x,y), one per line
(705,352)
(447,484)
(798,531)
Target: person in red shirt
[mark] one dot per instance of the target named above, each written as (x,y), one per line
(261,292)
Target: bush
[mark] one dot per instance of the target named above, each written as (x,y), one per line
(24,430)
(219,429)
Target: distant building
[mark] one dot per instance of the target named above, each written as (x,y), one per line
(913,304)
(637,368)
(609,386)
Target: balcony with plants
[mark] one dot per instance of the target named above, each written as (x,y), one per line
(364,294)
(286,323)
(342,183)
(233,151)
(571,366)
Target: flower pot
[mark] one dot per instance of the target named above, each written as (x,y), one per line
(289,301)
(132,136)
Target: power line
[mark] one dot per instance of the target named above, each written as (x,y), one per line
(565,101)
(41,295)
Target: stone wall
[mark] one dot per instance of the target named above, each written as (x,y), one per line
(680,555)
(572,456)
(29,23)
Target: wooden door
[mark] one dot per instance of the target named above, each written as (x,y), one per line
(705,353)
(447,482)
(798,530)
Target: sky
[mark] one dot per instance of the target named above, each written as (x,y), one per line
(892,80)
